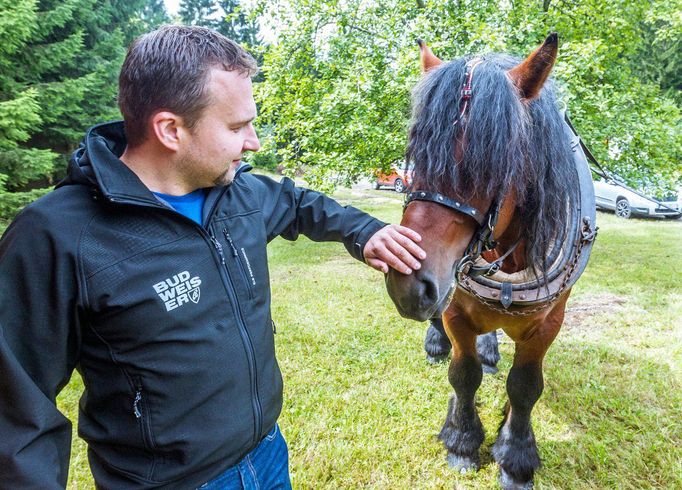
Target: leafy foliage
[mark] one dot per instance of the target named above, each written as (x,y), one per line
(335,89)
(338,78)
(59,63)
(19,107)
(225,16)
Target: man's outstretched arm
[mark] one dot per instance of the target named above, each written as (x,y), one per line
(290,211)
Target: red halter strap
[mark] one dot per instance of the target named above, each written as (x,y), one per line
(466,92)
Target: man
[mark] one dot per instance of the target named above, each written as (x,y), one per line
(146,270)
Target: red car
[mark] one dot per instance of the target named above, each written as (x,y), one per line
(399,179)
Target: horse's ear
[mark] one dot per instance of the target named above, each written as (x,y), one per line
(428,60)
(531,74)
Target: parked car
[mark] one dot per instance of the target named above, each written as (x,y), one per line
(626,203)
(398,178)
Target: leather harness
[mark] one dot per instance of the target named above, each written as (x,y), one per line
(567,260)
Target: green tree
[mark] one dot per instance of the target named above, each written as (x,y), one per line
(659,57)
(59,64)
(199,13)
(338,78)
(226,16)
(154,14)
(20,110)
(337,86)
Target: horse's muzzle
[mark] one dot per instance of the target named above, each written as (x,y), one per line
(417,296)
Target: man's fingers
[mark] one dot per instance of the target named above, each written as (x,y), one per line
(408,232)
(394,246)
(408,243)
(378,265)
(384,254)
(405,258)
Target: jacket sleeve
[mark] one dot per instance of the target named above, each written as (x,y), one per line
(290,211)
(38,350)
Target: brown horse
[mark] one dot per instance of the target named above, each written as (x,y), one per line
(501,196)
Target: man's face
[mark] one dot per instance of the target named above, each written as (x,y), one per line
(223,133)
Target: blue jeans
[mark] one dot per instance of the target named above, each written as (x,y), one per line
(265,467)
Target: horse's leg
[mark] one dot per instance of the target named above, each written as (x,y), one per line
(515,449)
(436,344)
(462,433)
(488,351)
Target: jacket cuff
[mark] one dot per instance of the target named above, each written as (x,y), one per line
(363,237)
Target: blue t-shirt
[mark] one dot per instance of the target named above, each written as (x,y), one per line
(189,205)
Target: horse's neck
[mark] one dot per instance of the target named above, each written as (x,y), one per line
(516,261)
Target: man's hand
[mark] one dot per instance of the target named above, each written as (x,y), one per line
(394,246)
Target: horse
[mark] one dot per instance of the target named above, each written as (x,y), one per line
(502,197)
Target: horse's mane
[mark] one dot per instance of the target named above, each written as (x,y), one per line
(508,145)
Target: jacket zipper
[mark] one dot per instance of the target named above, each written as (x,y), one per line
(240,266)
(246,339)
(139,412)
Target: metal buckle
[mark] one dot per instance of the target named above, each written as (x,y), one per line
(489,245)
(493,269)
(463,262)
(491,226)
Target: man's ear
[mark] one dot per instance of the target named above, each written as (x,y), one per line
(168,129)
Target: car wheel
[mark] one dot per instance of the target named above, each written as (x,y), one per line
(623,209)
(375,185)
(398,185)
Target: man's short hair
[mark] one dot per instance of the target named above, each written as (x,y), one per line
(168,69)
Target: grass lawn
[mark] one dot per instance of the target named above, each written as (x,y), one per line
(362,407)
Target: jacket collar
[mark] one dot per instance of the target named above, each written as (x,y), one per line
(104,144)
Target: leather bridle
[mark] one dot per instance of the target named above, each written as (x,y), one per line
(483,239)
(453,204)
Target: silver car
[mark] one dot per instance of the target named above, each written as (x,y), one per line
(626,203)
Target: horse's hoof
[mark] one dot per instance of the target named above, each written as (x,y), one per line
(436,359)
(508,483)
(489,368)
(462,464)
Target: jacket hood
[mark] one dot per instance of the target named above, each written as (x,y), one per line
(96,163)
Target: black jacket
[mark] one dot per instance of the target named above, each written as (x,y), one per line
(168,322)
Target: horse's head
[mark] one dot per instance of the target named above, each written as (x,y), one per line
(474,150)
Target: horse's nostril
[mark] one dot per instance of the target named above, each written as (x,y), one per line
(429,292)
(416,296)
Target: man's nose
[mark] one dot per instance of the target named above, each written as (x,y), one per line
(251,143)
